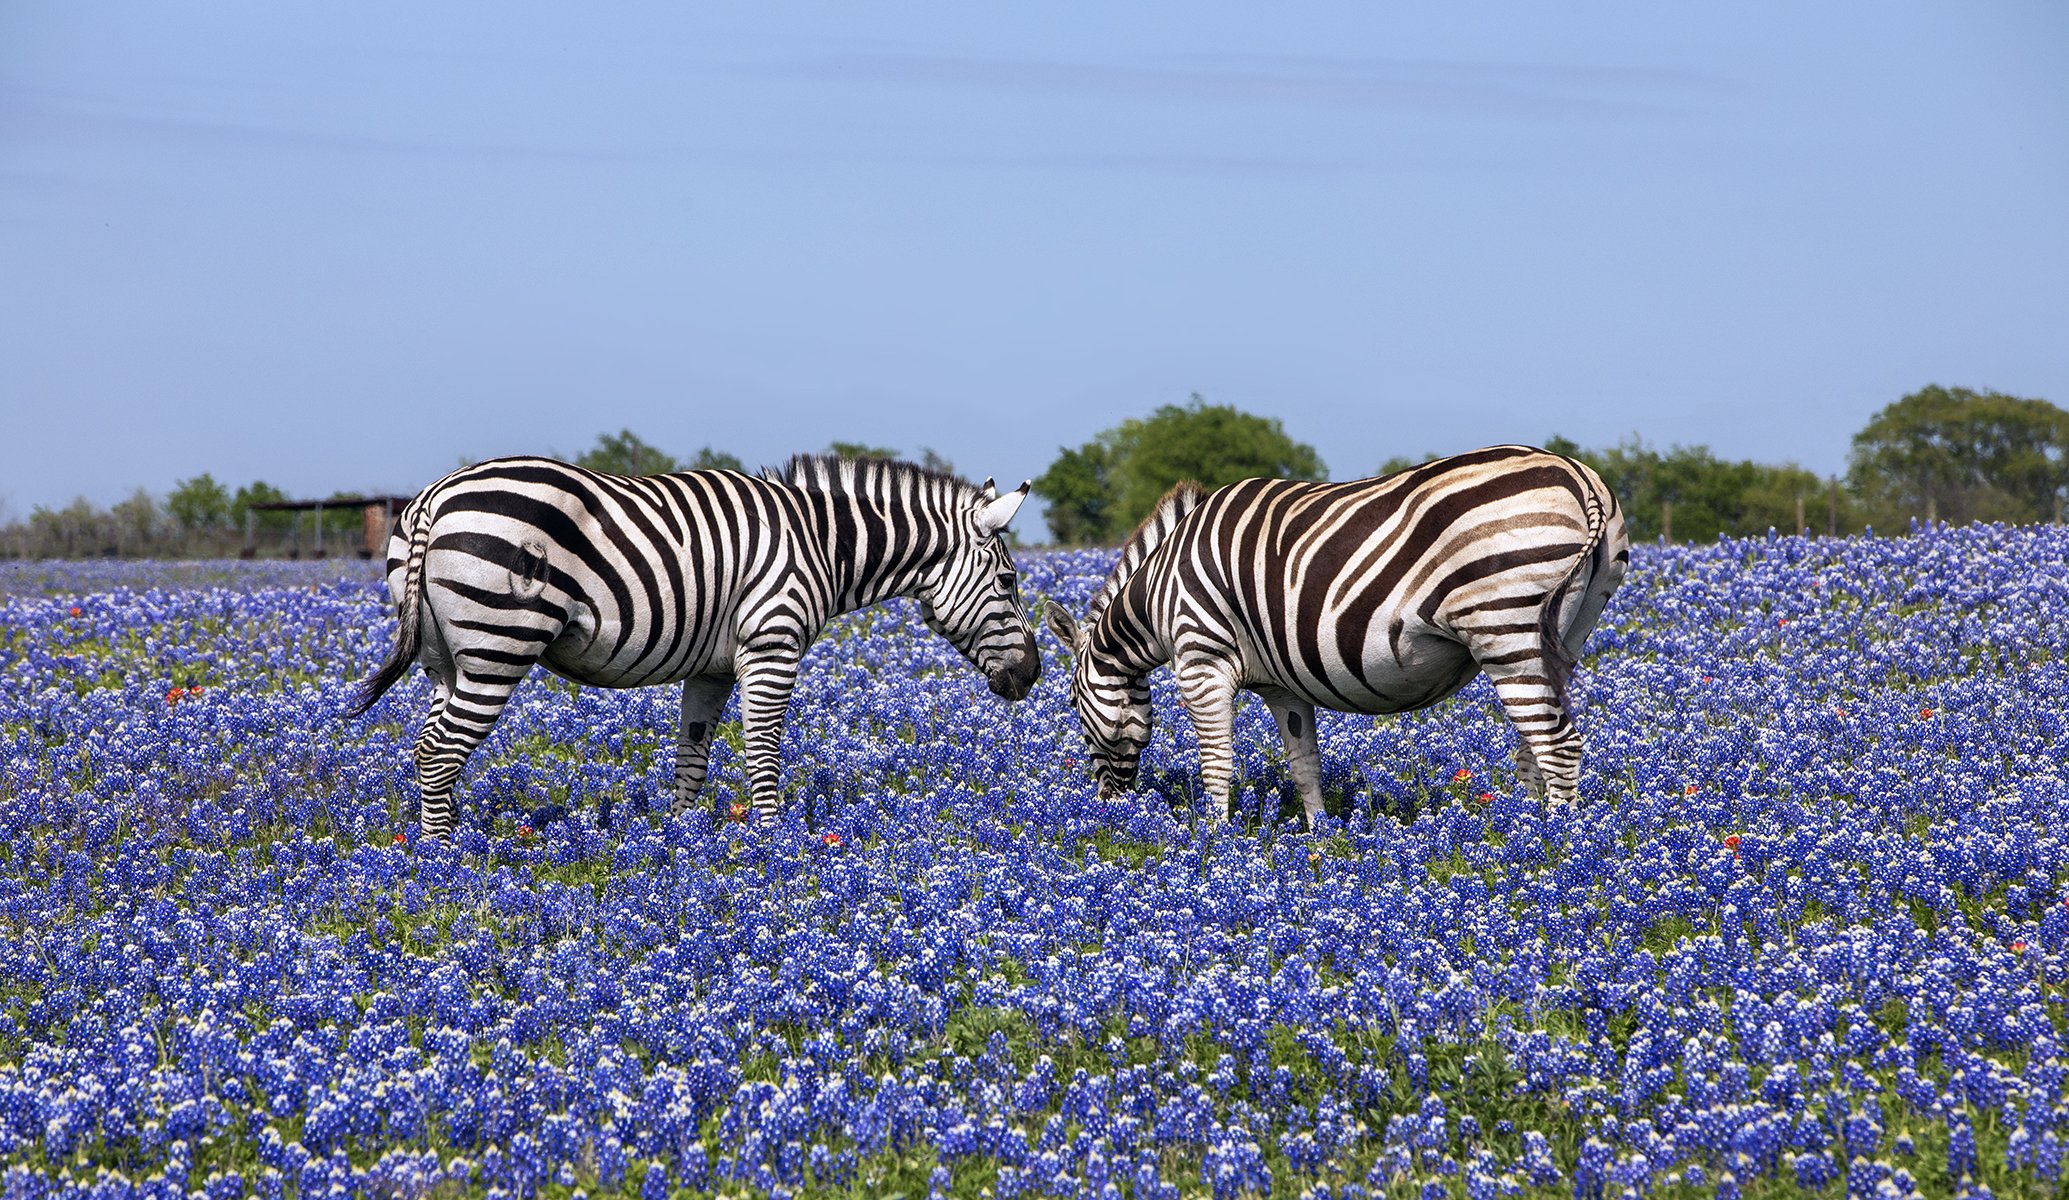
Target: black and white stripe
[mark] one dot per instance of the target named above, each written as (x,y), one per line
(707,578)
(1375,596)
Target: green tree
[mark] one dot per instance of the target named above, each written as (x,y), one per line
(1401,462)
(1689,494)
(624,453)
(1102,489)
(260,492)
(134,522)
(1210,444)
(860,450)
(198,503)
(708,459)
(76,530)
(1079,496)
(1958,455)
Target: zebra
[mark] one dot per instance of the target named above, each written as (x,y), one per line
(710,578)
(1373,596)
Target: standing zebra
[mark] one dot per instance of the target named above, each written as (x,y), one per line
(707,578)
(1376,596)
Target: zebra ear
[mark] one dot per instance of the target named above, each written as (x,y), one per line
(1060,624)
(995,515)
(990,489)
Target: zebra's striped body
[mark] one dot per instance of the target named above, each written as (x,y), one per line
(1375,596)
(707,578)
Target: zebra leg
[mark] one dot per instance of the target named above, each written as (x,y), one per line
(440,689)
(1296,720)
(1209,694)
(1527,774)
(766,681)
(1533,697)
(452,731)
(703,699)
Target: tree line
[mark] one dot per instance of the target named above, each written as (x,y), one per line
(1938,454)
(202,518)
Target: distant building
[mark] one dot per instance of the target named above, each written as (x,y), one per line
(379,513)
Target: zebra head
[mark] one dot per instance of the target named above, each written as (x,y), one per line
(973,598)
(1112,705)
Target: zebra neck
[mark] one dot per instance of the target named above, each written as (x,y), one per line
(876,547)
(1124,637)
(1163,518)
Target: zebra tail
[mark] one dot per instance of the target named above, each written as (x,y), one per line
(1552,639)
(409,610)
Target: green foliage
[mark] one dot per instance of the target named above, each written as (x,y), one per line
(260,492)
(929,458)
(708,459)
(199,503)
(136,520)
(1959,455)
(859,450)
(1079,496)
(1401,463)
(1101,490)
(624,453)
(1689,494)
(1211,444)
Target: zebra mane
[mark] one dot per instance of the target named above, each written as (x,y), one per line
(838,475)
(1162,519)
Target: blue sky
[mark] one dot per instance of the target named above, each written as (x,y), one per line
(344,246)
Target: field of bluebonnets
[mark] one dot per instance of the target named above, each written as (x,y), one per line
(1806,937)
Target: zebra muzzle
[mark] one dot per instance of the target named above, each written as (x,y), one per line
(1017,678)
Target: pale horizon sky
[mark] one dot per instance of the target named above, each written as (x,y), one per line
(344,247)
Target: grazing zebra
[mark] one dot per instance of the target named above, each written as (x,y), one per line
(707,578)
(1376,596)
